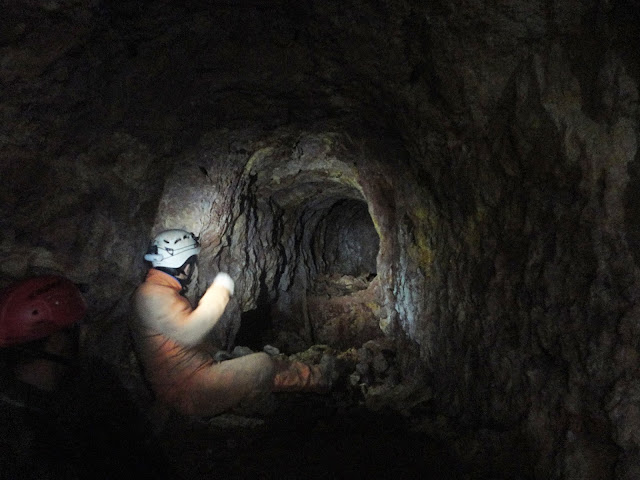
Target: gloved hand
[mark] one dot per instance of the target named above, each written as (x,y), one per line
(224,280)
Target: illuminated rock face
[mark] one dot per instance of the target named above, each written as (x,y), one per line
(454,178)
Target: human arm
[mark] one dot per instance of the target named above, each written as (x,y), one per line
(203,318)
(163,310)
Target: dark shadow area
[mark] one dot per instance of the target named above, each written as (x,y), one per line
(256,324)
(94,428)
(254,327)
(308,438)
(90,428)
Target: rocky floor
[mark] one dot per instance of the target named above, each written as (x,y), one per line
(308,437)
(303,436)
(94,430)
(373,424)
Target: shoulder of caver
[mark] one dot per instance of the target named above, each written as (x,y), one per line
(158,306)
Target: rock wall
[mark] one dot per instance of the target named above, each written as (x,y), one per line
(533,281)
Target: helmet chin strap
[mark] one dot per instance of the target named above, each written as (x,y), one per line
(176,272)
(187,280)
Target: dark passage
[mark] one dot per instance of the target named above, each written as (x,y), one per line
(256,324)
(254,327)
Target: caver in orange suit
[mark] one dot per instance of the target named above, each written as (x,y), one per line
(167,332)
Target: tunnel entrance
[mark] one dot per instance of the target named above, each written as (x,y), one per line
(345,241)
(342,300)
(331,297)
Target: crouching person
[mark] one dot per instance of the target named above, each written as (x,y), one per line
(167,332)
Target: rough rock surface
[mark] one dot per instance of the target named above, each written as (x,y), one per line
(481,160)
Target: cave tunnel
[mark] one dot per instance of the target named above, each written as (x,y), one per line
(441,195)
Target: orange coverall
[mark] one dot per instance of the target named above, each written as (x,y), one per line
(167,332)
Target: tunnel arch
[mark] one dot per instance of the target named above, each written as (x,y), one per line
(306,193)
(274,209)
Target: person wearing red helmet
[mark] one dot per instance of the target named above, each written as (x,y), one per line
(168,331)
(35,308)
(37,316)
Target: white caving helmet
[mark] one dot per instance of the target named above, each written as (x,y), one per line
(172,249)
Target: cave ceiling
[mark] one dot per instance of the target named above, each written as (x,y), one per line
(170,70)
(175,70)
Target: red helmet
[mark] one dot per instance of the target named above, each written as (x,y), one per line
(37,307)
